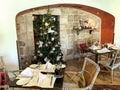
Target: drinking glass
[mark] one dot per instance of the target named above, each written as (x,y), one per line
(39,64)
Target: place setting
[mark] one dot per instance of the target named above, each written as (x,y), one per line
(37,75)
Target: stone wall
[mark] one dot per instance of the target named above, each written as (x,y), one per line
(69,17)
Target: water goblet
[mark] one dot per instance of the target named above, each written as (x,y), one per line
(39,64)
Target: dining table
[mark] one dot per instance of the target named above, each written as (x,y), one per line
(98,51)
(98,54)
(39,77)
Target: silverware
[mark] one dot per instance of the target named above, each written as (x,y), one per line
(51,80)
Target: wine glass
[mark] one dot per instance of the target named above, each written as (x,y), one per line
(39,64)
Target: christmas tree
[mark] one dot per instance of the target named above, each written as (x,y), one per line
(46,36)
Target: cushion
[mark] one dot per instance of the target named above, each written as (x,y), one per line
(83,45)
(82,82)
(3,79)
(111,62)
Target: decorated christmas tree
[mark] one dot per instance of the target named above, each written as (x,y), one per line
(46,37)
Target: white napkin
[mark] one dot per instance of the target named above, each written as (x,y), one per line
(41,78)
(48,65)
(93,47)
(103,50)
(27,72)
(48,82)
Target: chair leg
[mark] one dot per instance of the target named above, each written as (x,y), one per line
(111,75)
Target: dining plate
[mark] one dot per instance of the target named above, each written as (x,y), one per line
(23,81)
(33,66)
(63,65)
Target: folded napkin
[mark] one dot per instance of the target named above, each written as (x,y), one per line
(47,82)
(48,65)
(93,47)
(27,72)
(103,50)
(41,77)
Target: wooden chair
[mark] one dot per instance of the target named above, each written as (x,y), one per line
(89,73)
(110,64)
(3,81)
(3,75)
(83,47)
(84,51)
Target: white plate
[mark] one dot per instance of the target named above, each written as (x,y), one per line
(23,81)
(33,66)
(63,65)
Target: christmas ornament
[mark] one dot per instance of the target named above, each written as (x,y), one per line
(46,36)
(50,31)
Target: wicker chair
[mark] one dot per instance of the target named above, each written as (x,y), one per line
(110,64)
(89,70)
